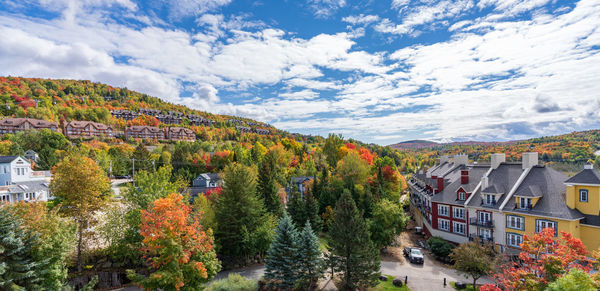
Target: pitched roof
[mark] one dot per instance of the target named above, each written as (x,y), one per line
(82,124)
(448,195)
(142,127)
(587,176)
(208,176)
(502,179)
(9,121)
(552,194)
(176,129)
(7,159)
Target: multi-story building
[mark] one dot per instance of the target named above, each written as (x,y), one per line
(124,114)
(199,120)
(262,131)
(87,129)
(169,119)
(19,183)
(13,125)
(502,202)
(144,132)
(243,129)
(180,133)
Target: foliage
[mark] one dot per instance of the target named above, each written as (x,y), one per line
(234,282)
(574,280)
(440,247)
(179,251)
(204,206)
(310,264)
(388,221)
(544,258)
(57,237)
(353,253)
(20,267)
(82,188)
(389,285)
(267,184)
(330,149)
(352,169)
(243,226)
(473,259)
(282,260)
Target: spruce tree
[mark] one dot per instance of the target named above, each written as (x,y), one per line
(353,253)
(311,210)
(19,270)
(267,186)
(240,215)
(282,258)
(310,264)
(296,206)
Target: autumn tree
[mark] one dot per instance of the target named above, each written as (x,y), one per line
(543,259)
(330,149)
(574,280)
(353,253)
(352,169)
(81,188)
(178,249)
(56,240)
(473,259)
(243,227)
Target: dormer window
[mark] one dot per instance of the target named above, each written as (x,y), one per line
(525,203)
(490,199)
(583,195)
(461,196)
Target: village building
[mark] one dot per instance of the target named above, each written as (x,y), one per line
(87,129)
(18,182)
(14,125)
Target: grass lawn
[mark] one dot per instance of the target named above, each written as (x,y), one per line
(388,285)
(323,242)
(469,287)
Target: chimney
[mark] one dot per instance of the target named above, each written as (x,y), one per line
(484,182)
(464,176)
(461,159)
(497,159)
(443,159)
(529,160)
(588,166)
(440,184)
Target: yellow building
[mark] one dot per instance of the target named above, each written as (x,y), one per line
(539,202)
(583,195)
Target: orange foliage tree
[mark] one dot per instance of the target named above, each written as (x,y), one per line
(179,251)
(543,259)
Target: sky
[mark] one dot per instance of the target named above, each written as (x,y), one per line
(380,71)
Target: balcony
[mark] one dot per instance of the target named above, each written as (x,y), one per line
(481,223)
(481,238)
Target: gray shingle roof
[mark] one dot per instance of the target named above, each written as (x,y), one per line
(552,191)
(587,176)
(502,179)
(7,159)
(448,195)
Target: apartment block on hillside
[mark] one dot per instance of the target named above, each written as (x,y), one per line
(14,125)
(87,129)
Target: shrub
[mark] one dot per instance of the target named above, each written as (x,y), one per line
(234,282)
(440,247)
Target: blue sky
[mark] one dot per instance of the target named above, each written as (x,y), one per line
(378,71)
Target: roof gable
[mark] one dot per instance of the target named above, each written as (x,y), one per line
(586,176)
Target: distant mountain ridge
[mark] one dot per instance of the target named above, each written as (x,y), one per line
(419,144)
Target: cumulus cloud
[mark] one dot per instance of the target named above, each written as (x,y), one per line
(325,8)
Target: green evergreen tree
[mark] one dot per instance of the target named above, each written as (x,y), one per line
(19,269)
(295,206)
(267,186)
(310,264)
(142,159)
(353,253)
(243,228)
(282,258)
(311,210)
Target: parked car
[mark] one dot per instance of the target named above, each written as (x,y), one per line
(414,255)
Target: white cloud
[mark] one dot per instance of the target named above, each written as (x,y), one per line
(360,19)
(325,8)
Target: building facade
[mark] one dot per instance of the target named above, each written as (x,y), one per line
(87,129)
(144,132)
(14,125)
(180,133)
(19,183)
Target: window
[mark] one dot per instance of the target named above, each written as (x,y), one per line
(490,199)
(5,198)
(515,222)
(459,212)
(459,227)
(514,240)
(525,203)
(444,224)
(583,195)
(484,217)
(540,224)
(443,210)
(461,196)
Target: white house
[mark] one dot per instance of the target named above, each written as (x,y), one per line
(19,183)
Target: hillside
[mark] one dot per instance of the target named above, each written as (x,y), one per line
(66,100)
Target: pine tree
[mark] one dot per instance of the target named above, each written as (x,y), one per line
(19,270)
(267,186)
(353,253)
(240,214)
(281,262)
(310,264)
(296,206)
(311,209)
